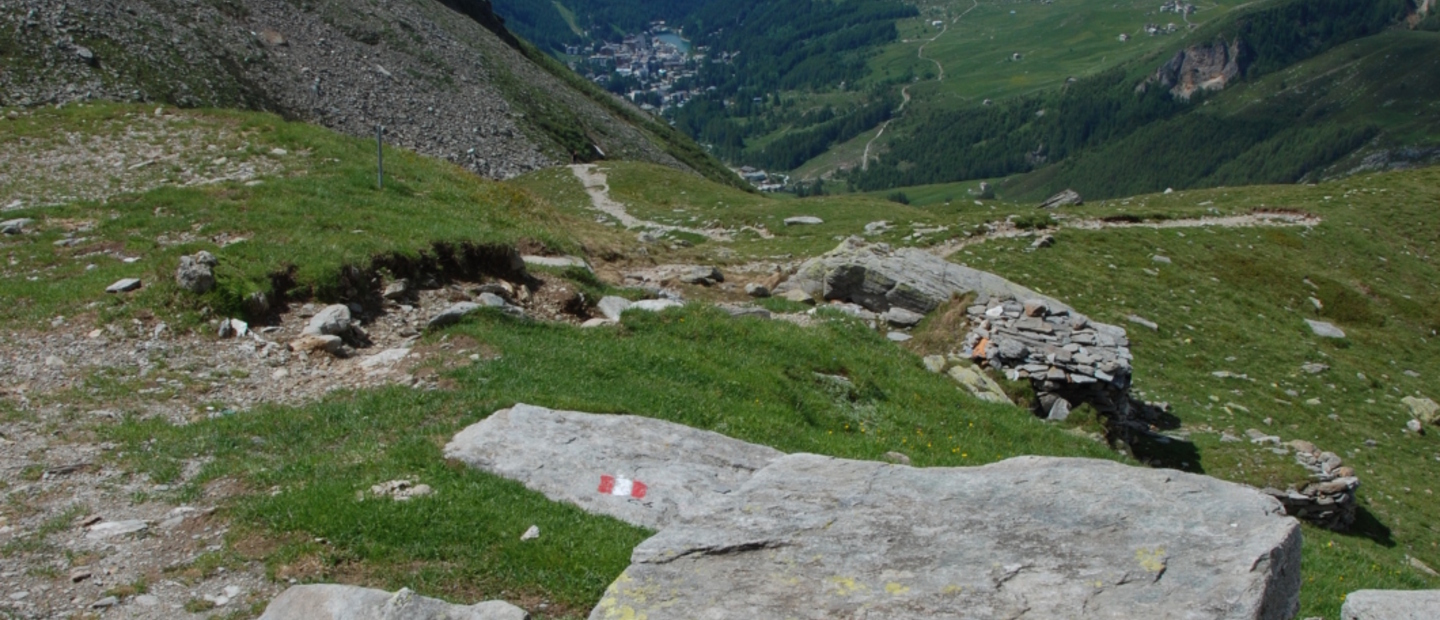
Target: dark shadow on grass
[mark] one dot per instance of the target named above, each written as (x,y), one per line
(1159,451)
(1367,526)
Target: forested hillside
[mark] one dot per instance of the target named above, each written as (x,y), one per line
(1151,139)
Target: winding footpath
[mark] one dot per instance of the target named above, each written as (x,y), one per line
(598,187)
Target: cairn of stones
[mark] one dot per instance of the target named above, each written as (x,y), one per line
(1328,500)
(1068,359)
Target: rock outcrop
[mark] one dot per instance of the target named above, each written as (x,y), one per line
(640,470)
(813,537)
(879,278)
(1206,66)
(1067,198)
(1391,605)
(341,602)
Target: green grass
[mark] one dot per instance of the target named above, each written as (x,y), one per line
(320,215)
(1234,300)
(463,543)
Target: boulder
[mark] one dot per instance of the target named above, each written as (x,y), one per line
(612,307)
(798,296)
(803,220)
(334,320)
(341,602)
(1391,605)
(813,537)
(124,285)
(642,471)
(1423,409)
(1067,198)
(452,315)
(197,273)
(398,289)
(756,289)
(1324,329)
(879,277)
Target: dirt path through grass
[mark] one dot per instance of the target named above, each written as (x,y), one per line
(598,187)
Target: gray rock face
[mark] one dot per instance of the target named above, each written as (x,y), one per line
(452,315)
(1391,605)
(1325,329)
(879,278)
(811,537)
(341,602)
(642,471)
(334,320)
(197,273)
(613,307)
(1067,198)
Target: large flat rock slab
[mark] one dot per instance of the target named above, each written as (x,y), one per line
(880,277)
(342,602)
(1391,605)
(640,470)
(813,537)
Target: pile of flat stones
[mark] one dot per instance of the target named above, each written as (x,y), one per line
(1328,500)
(1068,358)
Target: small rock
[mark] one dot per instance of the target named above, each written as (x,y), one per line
(1044,241)
(104,603)
(897,458)
(334,320)
(901,317)
(654,305)
(111,529)
(1143,322)
(1067,198)
(704,276)
(1415,426)
(1324,329)
(1416,564)
(491,300)
(1423,409)
(401,490)
(559,262)
(612,307)
(1164,260)
(898,336)
(196,273)
(875,228)
(803,220)
(531,534)
(1059,410)
(124,286)
(85,53)
(798,296)
(339,602)
(147,600)
(333,345)
(233,328)
(934,363)
(452,315)
(397,289)
(80,574)
(597,323)
(737,311)
(755,289)
(1314,368)
(15,227)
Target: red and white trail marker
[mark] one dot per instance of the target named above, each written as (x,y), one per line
(622,487)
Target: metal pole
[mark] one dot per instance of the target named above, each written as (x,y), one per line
(380,156)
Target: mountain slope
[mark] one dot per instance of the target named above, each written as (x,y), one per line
(445,79)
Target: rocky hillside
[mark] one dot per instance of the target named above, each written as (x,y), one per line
(444,78)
